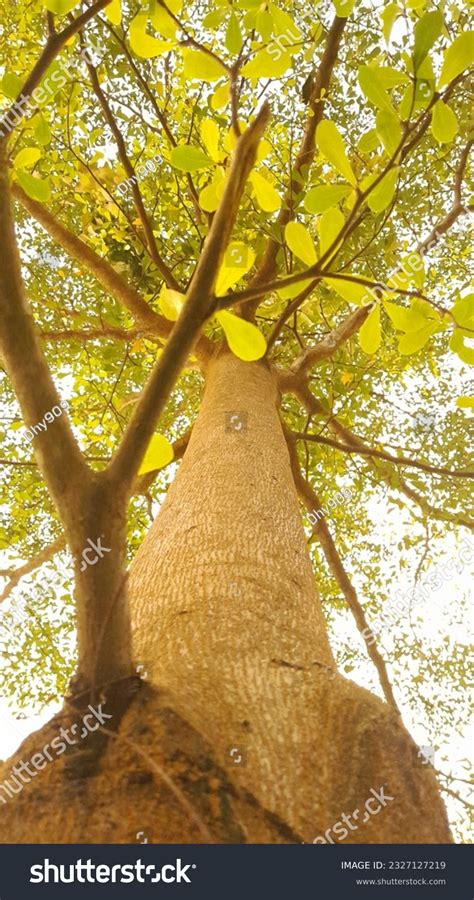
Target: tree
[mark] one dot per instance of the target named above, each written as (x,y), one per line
(278,253)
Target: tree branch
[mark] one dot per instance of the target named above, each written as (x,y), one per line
(326,348)
(267,268)
(58,455)
(197,308)
(322,533)
(35,562)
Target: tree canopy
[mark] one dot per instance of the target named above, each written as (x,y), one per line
(347,265)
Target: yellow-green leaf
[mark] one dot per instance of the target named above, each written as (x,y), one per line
(233,37)
(407,320)
(330,225)
(158,454)
(373,87)
(202,67)
(266,64)
(368,141)
(331,146)
(36,188)
(267,197)
(41,129)
(60,7)
(459,56)
(414,341)
(444,125)
(143,44)
(388,16)
(300,242)
(210,196)
(351,291)
(370,335)
(171,303)
(114,12)
(427,30)
(389,130)
(189,158)
(221,96)
(11,85)
(26,157)
(243,338)
(458,346)
(465,402)
(238,260)
(162,21)
(210,137)
(324,196)
(382,195)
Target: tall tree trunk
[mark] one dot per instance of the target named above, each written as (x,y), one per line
(249,732)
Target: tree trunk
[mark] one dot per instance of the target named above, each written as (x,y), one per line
(248,720)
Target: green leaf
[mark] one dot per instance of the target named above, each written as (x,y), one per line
(11,85)
(284,24)
(267,64)
(388,15)
(330,225)
(351,291)
(233,38)
(142,44)
(389,130)
(370,335)
(459,56)
(414,341)
(238,260)
(26,157)
(323,196)
(444,125)
(300,243)
(382,195)
(267,197)
(189,158)
(171,303)
(243,338)
(368,141)
(427,30)
(60,7)
(36,188)
(42,130)
(407,320)
(373,87)
(158,454)
(331,146)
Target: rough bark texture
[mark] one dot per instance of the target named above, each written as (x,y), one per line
(229,627)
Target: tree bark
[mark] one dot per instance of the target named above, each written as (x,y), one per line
(247,718)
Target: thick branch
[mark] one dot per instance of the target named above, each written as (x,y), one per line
(363,450)
(326,348)
(35,563)
(197,308)
(58,455)
(321,531)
